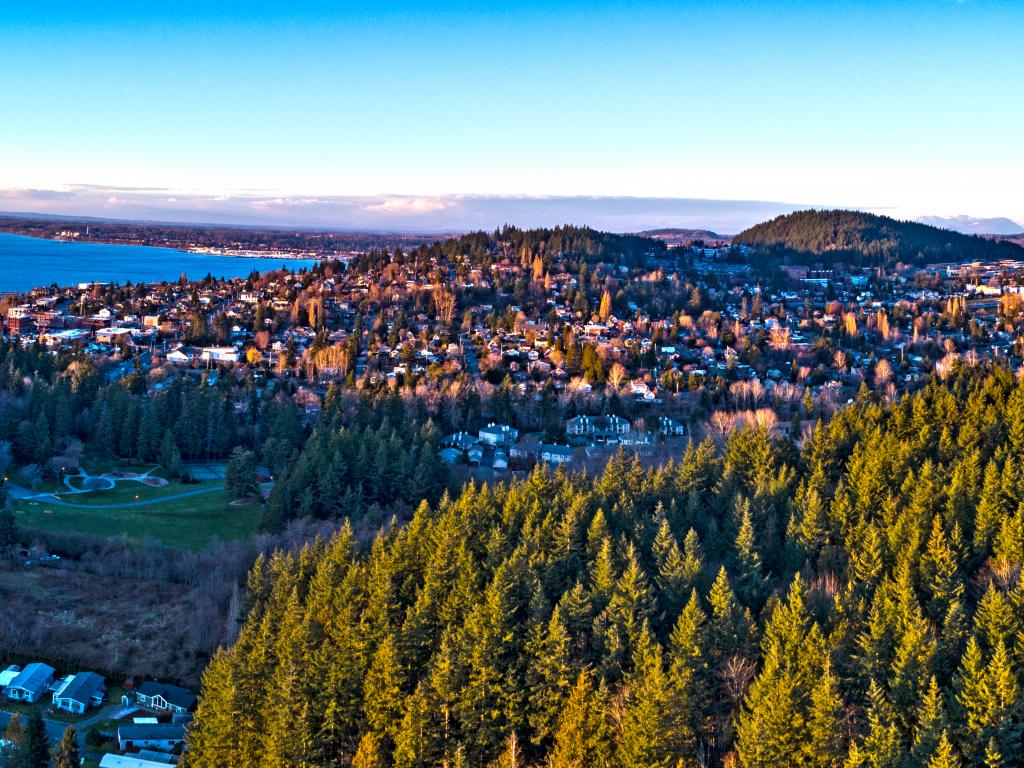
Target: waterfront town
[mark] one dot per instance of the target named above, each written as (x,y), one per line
(567,359)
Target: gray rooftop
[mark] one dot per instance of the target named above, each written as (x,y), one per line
(83,687)
(151,732)
(33,677)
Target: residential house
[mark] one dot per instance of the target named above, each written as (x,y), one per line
(77,693)
(31,683)
(601,428)
(500,461)
(7,676)
(164,696)
(220,355)
(450,456)
(498,435)
(555,454)
(670,427)
(461,441)
(182,355)
(642,391)
(162,736)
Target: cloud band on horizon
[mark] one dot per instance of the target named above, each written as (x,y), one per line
(396,212)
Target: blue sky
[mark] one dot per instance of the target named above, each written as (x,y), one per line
(915,109)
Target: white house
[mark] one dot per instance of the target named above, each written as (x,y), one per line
(7,676)
(498,435)
(220,354)
(556,454)
(181,355)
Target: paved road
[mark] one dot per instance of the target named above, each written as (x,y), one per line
(55,728)
(470,352)
(23,493)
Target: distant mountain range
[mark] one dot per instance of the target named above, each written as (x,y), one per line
(866,239)
(969,225)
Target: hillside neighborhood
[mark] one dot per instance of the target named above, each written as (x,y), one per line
(680,342)
(143,727)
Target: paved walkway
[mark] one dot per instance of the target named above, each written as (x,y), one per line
(23,493)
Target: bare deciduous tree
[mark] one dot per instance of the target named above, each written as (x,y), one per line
(444,303)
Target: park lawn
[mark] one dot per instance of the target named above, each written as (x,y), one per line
(188,523)
(127,491)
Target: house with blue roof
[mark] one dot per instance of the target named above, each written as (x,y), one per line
(31,683)
(77,693)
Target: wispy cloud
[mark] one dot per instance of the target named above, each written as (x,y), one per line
(410,205)
(391,211)
(34,194)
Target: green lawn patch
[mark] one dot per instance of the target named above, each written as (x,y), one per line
(114,694)
(188,522)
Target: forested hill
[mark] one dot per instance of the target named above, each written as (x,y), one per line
(865,239)
(565,242)
(856,603)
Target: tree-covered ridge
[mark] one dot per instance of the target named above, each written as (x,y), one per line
(561,246)
(869,240)
(854,603)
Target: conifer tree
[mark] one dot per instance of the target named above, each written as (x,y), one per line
(881,747)
(12,743)
(583,737)
(370,753)
(647,737)
(673,579)
(944,756)
(382,690)
(66,753)
(750,581)
(931,723)
(35,746)
(793,692)
(728,628)
(550,675)
(991,509)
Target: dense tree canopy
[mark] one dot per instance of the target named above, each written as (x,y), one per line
(856,602)
(869,240)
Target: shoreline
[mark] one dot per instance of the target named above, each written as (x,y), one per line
(30,263)
(197,250)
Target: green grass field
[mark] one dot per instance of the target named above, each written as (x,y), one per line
(190,522)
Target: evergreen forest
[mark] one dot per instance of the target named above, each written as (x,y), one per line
(854,601)
(868,240)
